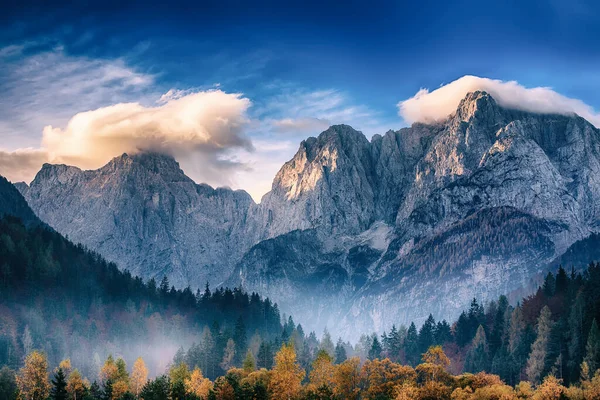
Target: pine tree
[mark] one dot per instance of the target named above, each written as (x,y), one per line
(478,356)
(463,330)
(340,352)
(395,344)
(592,349)
(562,281)
(426,334)
(375,351)
(549,285)
(443,332)
(240,339)
(265,356)
(576,343)
(59,386)
(536,365)
(327,344)
(107,390)
(411,346)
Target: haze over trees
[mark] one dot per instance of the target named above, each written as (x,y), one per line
(73,326)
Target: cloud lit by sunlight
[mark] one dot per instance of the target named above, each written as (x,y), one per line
(429,106)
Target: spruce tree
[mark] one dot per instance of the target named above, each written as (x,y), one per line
(375,351)
(59,386)
(426,334)
(411,346)
(592,349)
(340,352)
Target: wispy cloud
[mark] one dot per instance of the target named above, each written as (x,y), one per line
(49,86)
(426,106)
(307,112)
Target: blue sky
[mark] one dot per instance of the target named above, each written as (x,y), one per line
(302,65)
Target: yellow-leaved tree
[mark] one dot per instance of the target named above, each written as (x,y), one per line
(76,385)
(66,366)
(139,376)
(287,375)
(198,384)
(323,371)
(347,379)
(32,379)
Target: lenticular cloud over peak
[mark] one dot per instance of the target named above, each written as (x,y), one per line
(430,106)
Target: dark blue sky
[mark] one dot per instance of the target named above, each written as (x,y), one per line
(334,61)
(379,52)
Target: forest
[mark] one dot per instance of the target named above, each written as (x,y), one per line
(73,326)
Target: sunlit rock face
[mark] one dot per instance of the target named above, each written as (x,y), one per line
(329,185)
(355,234)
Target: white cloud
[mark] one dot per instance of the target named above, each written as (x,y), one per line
(196,128)
(426,106)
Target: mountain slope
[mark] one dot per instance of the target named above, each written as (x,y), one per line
(144,213)
(13,203)
(424,215)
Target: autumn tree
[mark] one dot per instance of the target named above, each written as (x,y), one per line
(550,389)
(139,376)
(436,360)
(120,381)
(323,370)
(287,374)
(76,385)
(197,384)
(109,370)
(381,377)
(347,379)
(178,374)
(536,365)
(249,363)
(66,366)
(32,379)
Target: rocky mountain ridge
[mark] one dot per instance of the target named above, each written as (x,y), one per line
(363,232)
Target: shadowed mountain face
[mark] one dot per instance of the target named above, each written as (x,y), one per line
(355,234)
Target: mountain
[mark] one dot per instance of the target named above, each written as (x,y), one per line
(355,234)
(142,212)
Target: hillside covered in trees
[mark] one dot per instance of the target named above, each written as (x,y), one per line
(59,298)
(73,326)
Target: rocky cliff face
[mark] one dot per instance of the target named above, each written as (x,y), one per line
(355,233)
(144,214)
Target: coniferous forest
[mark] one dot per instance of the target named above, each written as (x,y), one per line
(73,326)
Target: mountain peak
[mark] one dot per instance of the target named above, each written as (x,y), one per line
(158,163)
(480,106)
